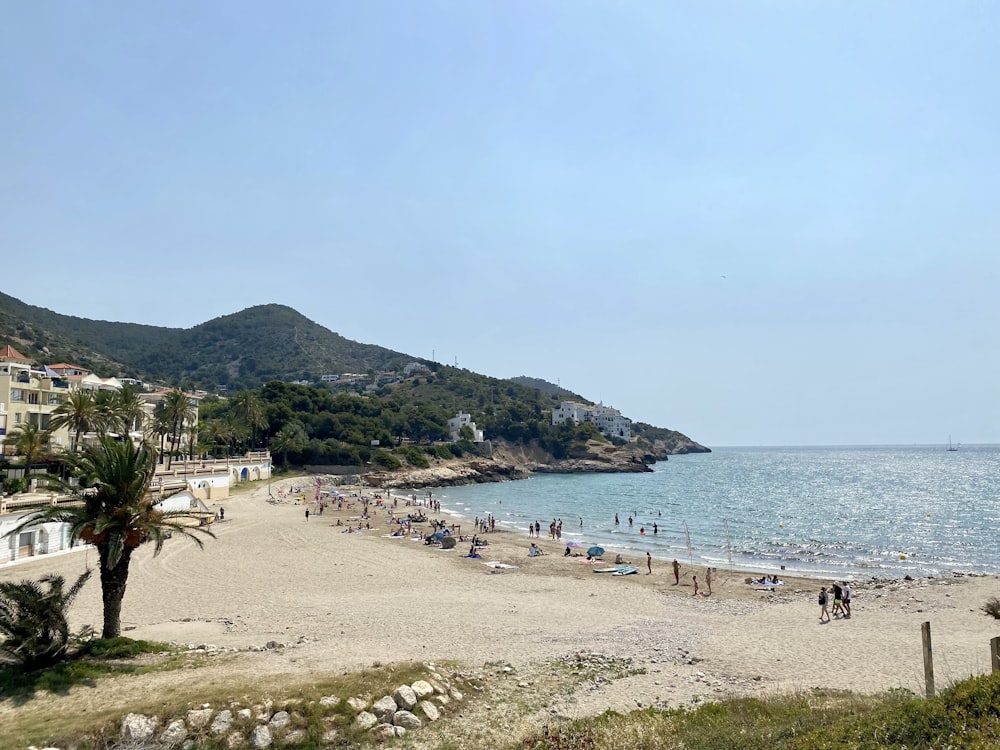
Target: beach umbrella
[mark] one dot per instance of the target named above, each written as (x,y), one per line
(438,535)
(595,551)
(574,544)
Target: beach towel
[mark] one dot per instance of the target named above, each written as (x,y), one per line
(500,565)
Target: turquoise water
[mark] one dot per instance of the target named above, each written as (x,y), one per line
(866,511)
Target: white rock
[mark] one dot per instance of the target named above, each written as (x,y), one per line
(429,710)
(261,736)
(198,717)
(280,719)
(294,737)
(358,704)
(406,720)
(405,697)
(244,714)
(222,722)
(365,720)
(455,695)
(422,689)
(174,734)
(138,727)
(384,731)
(444,700)
(329,701)
(384,706)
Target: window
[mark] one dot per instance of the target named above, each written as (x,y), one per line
(32,397)
(17,418)
(16,394)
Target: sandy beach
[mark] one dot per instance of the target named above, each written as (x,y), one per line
(343,601)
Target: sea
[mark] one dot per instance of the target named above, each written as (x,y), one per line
(842,512)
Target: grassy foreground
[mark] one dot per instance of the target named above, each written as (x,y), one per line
(966,715)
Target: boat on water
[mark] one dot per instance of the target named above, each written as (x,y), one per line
(950,446)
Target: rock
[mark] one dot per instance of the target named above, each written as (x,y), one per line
(294,737)
(422,689)
(384,706)
(400,731)
(174,734)
(438,687)
(329,701)
(455,695)
(138,727)
(429,710)
(358,704)
(222,722)
(405,697)
(329,736)
(198,717)
(365,720)
(261,736)
(406,720)
(280,719)
(384,731)
(244,714)
(444,700)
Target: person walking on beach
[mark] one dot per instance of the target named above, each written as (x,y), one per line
(649,564)
(307,514)
(847,599)
(822,606)
(838,601)
(677,572)
(694,579)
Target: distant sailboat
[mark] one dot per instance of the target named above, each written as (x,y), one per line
(950,446)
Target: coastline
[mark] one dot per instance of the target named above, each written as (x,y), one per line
(345,601)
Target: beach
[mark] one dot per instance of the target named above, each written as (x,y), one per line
(343,601)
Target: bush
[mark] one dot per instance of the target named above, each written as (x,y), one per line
(992,608)
(12,485)
(414,456)
(386,460)
(34,622)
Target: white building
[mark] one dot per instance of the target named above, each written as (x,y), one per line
(456,423)
(607,420)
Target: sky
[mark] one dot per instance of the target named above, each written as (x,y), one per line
(756,223)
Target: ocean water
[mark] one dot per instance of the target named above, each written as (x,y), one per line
(839,512)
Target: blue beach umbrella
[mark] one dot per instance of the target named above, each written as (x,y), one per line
(595,551)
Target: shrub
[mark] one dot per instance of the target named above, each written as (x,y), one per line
(386,460)
(992,608)
(34,622)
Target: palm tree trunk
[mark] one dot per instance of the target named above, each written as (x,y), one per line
(113,582)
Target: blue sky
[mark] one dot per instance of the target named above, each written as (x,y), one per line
(757,223)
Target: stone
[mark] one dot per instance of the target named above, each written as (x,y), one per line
(429,710)
(280,719)
(222,722)
(422,689)
(358,704)
(384,706)
(406,720)
(175,733)
(365,720)
(405,697)
(444,700)
(138,727)
(400,731)
(455,695)
(294,737)
(329,736)
(198,717)
(384,731)
(329,701)
(261,736)
(244,714)
(438,687)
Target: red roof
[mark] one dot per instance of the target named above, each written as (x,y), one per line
(64,366)
(10,354)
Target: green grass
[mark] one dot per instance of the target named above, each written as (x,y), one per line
(95,659)
(966,715)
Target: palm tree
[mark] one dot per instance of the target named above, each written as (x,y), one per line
(292,437)
(178,410)
(249,409)
(116,514)
(130,409)
(78,412)
(34,621)
(30,441)
(158,428)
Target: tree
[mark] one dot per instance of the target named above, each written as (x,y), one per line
(78,413)
(34,622)
(248,408)
(116,514)
(30,441)
(177,411)
(130,409)
(290,438)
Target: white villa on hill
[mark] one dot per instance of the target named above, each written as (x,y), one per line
(456,423)
(608,421)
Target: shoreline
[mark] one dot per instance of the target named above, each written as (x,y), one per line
(341,601)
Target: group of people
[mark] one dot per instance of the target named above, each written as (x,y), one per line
(841,601)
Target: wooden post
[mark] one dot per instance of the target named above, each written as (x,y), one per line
(995,653)
(925,630)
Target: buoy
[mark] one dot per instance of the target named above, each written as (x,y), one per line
(781,525)
(902,557)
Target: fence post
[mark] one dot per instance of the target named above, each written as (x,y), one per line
(925,630)
(995,653)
